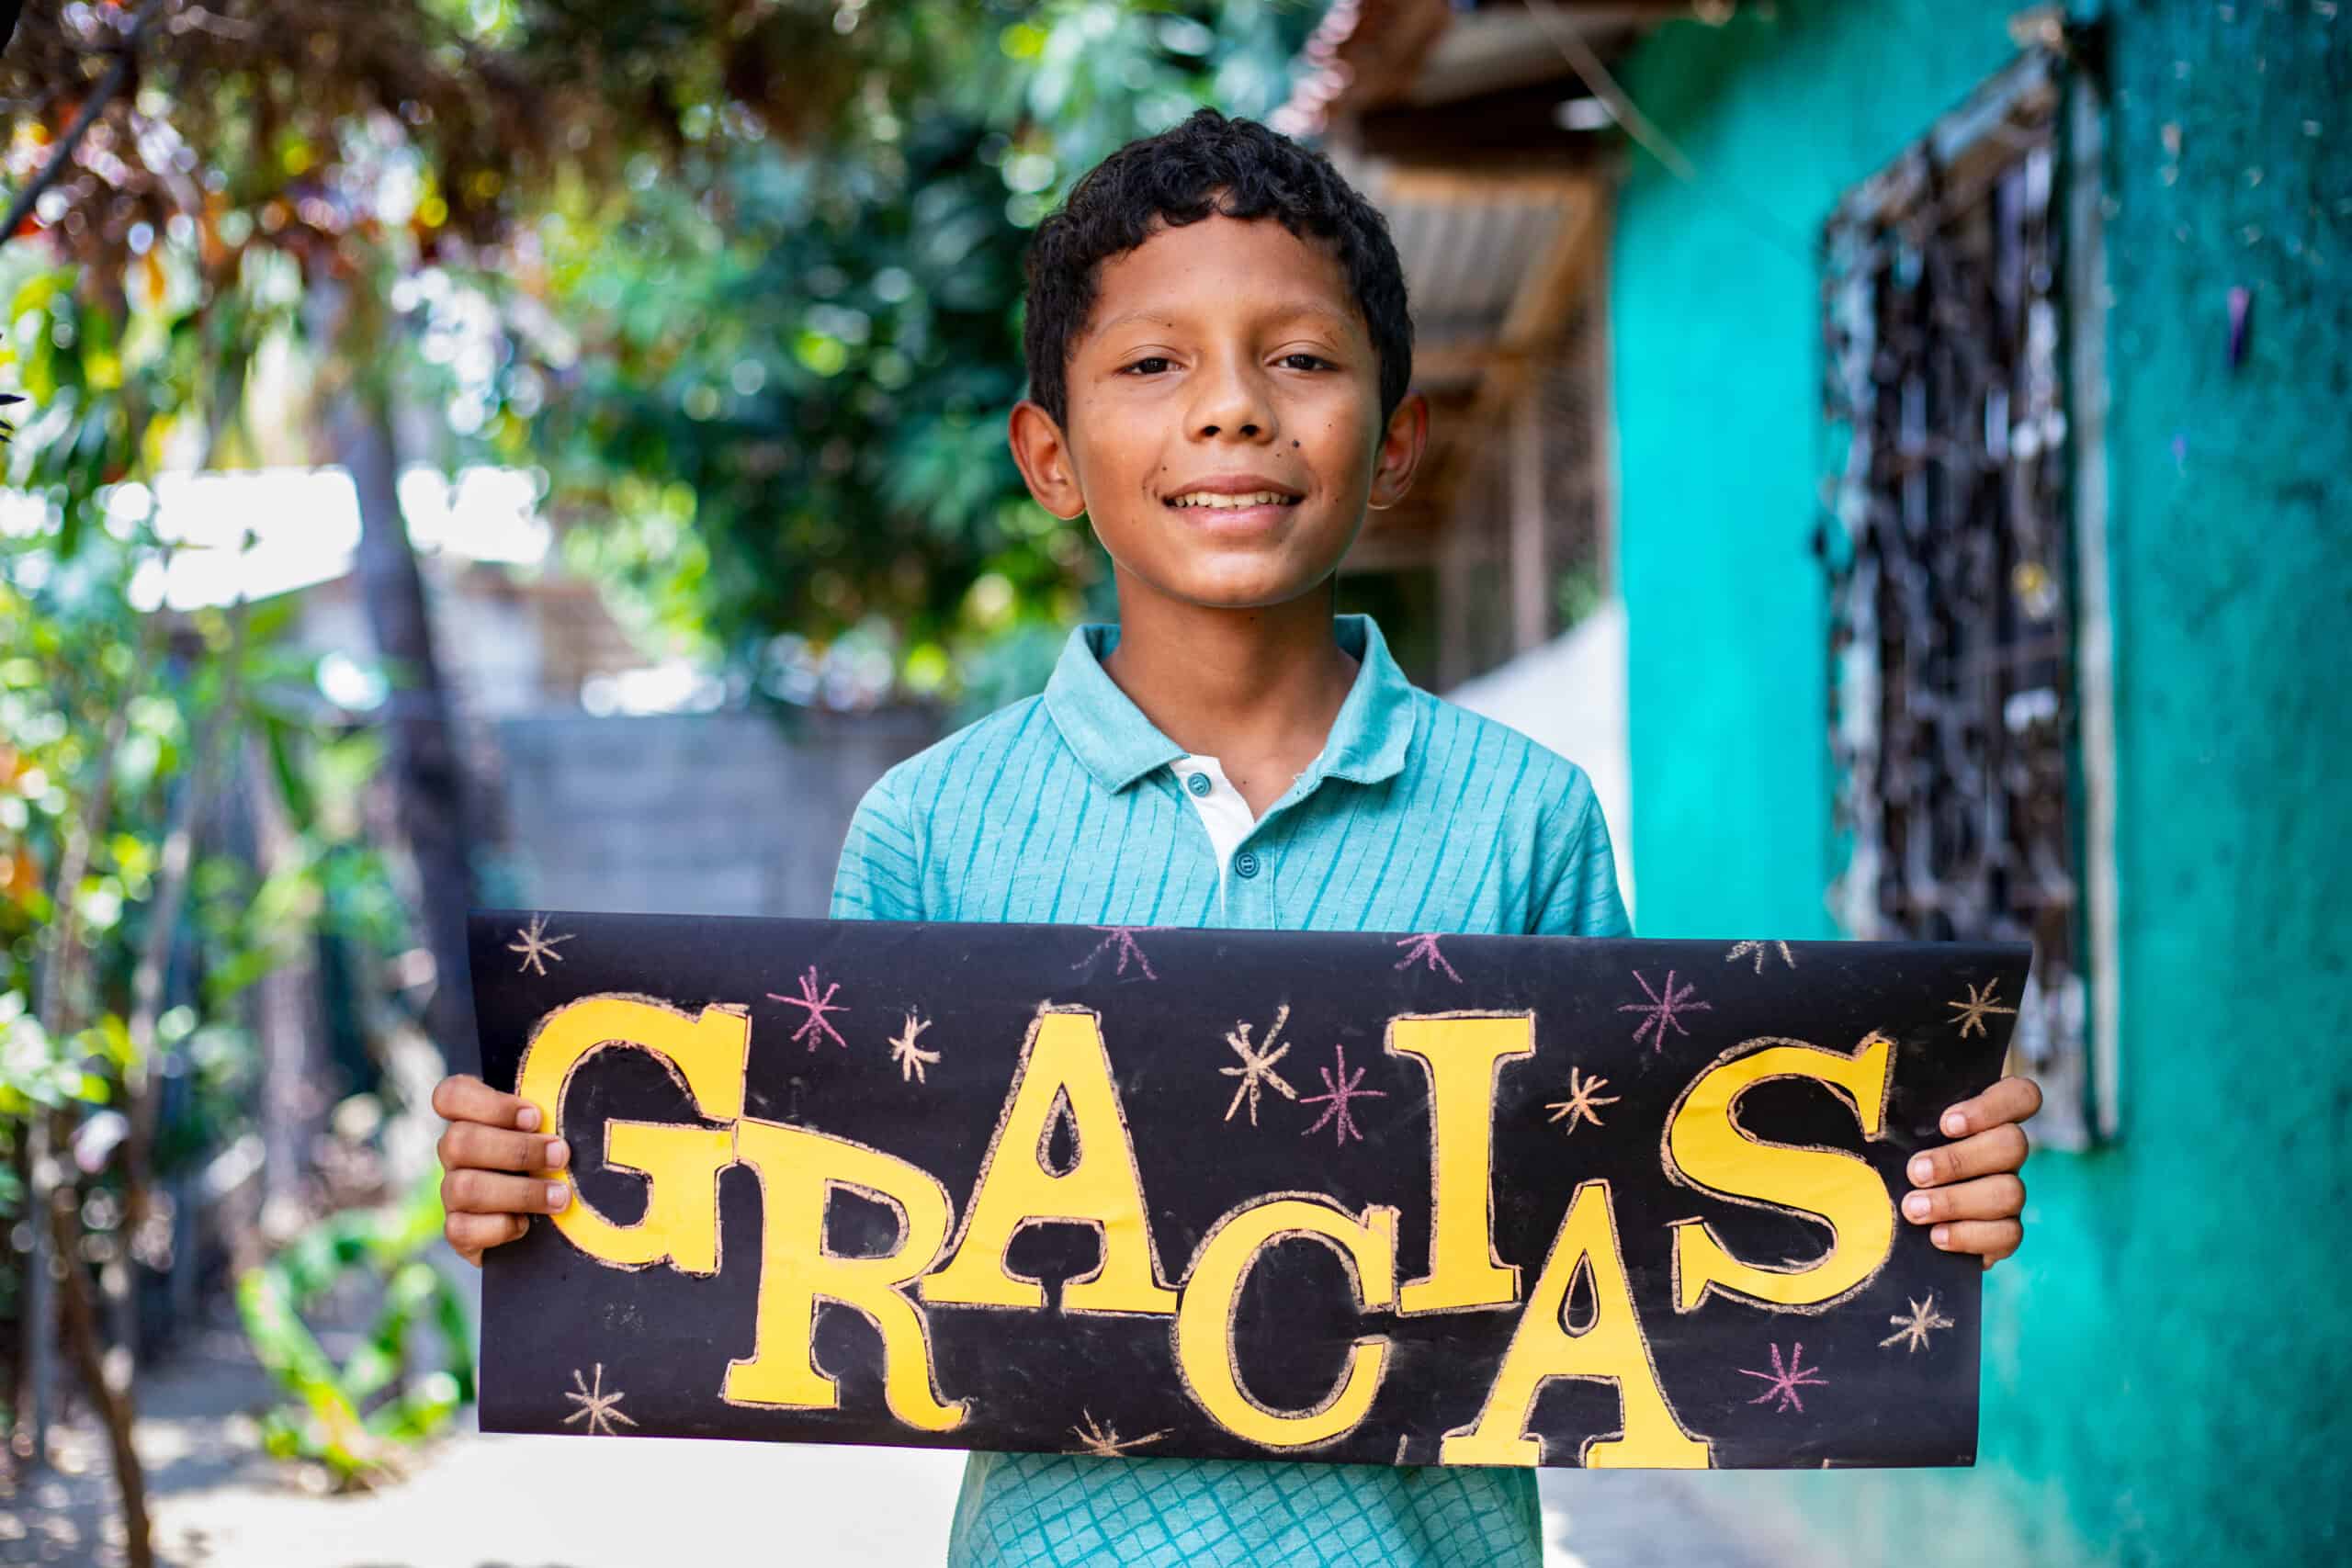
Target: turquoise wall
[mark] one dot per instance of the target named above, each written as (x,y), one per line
(2166,1367)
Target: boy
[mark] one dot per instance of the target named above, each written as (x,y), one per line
(1219,354)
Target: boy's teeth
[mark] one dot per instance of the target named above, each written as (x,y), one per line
(1232,502)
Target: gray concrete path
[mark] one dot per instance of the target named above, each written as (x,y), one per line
(477,1501)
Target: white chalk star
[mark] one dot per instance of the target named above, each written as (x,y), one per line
(910,1058)
(596,1406)
(1971,1013)
(1105,1442)
(1911,1332)
(1581,1099)
(1762,950)
(535,944)
(1257,1066)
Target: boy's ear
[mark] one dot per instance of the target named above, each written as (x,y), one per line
(1400,452)
(1043,453)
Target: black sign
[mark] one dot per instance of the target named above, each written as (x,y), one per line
(1404,1200)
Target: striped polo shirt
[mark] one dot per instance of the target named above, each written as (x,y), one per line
(1072,807)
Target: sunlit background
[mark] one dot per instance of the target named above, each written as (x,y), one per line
(500,453)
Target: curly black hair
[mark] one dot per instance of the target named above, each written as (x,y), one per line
(1209,164)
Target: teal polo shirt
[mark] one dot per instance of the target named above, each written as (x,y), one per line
(1072,807)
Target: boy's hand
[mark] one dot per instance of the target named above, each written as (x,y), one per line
(1969,1189)
(492,1139)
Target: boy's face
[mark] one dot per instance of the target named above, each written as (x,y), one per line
(1224,358)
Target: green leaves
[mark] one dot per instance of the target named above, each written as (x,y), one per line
(824,344)
(356,1417)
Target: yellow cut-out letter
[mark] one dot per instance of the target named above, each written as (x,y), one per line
(1610,1348)
(1706,1147)
(1460,1055)
(681,1166)
(704,1055)
(1212,1290)
(1062,1060)
(799,1170)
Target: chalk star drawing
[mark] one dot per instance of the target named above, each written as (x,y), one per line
(1913,1331)
(1661,1009)
(1785,1380)
(1762,950)
(818,1025)
(1971,1013)
(1578,1106)
(596,1406)
(1343,1090)
(1105,1442)
(1424,948)
(1257,1068)
(1124,938)
(535,944)
(911,1058)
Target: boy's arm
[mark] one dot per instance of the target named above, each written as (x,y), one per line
(881,874)
(1969,1189)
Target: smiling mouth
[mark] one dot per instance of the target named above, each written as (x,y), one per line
(1216,502)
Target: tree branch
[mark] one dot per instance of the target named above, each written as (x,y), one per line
(92,107)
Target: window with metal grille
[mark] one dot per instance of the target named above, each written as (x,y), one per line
(1966,584)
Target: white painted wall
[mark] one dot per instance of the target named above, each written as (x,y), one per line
(1569,695)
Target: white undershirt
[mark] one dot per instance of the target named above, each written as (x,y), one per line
(1223,811)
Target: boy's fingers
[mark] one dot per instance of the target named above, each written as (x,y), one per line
(472,1234)
(1989,1239)
(2003,1148)
(470,1145)
(1987,1198)
(2011,1099)
(461,1097)
(486,1192)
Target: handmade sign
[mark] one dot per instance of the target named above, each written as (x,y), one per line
(1378,1198)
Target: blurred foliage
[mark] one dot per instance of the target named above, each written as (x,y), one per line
(743,277)
(112,723)
(357,1418)
(772,389)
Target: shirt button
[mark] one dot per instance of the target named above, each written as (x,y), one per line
(1245,864)
(1199,784)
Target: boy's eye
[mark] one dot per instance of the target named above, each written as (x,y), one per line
(1314,361)
(1149,364)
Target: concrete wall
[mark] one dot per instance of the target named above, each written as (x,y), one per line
(2166,1371)
(713,813)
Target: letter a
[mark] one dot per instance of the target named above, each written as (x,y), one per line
(1063,1061)
(1611,1348)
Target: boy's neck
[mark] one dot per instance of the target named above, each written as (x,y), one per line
(1259,689)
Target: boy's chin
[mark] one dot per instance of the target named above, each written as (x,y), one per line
(1236,581)
(1242,591)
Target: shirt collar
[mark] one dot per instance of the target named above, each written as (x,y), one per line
(1118,745)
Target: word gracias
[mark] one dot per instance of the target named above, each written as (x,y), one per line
(1064,1067)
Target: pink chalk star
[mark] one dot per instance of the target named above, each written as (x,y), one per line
(818,1024)
(1124,938)
(1785,1380)
(1342,1087)
(1660,1009)
(1424,948)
